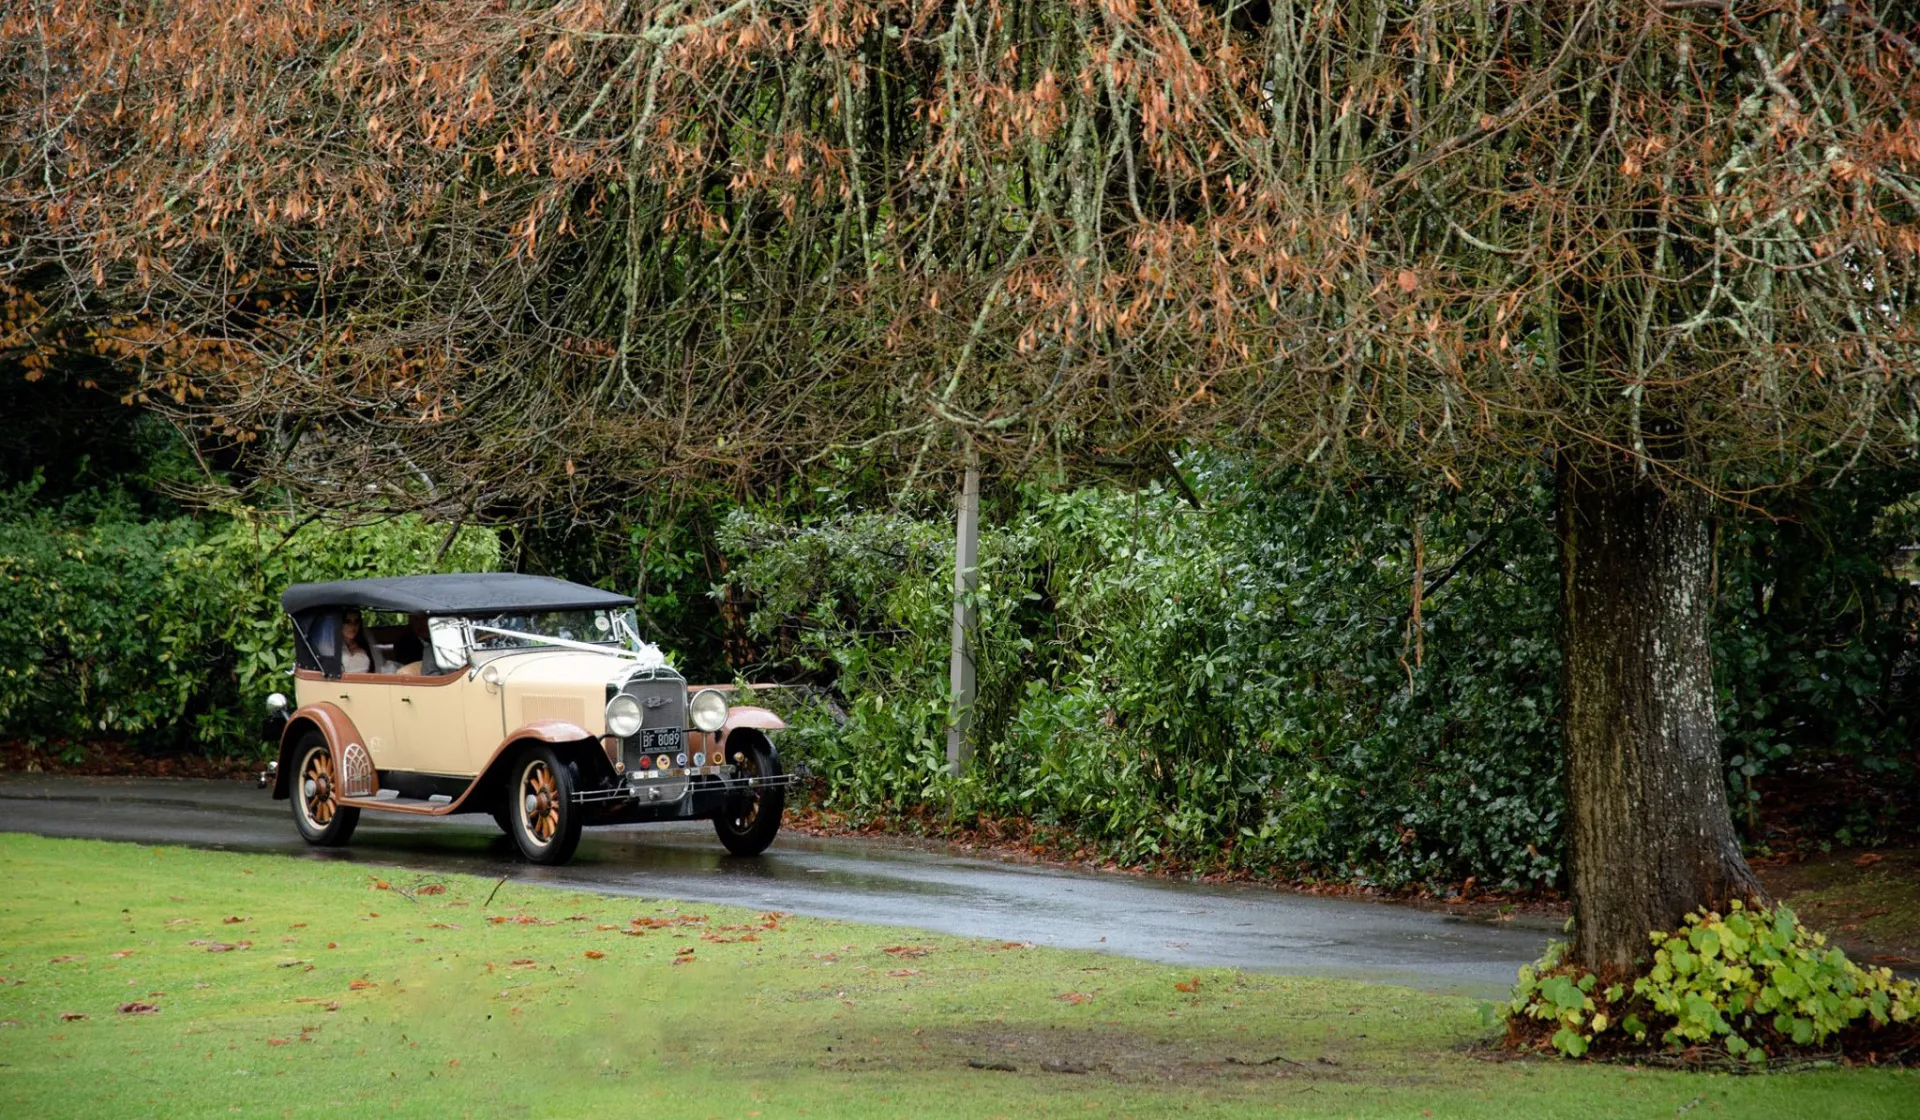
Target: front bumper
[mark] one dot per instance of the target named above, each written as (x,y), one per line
(704,797)
(640,792)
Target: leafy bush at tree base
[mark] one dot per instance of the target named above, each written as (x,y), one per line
(1753,986)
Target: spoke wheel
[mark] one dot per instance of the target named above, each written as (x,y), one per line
(750,820)
(540,808)
(317,811)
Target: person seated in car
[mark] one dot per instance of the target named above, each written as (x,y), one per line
(356,651)
(410,648)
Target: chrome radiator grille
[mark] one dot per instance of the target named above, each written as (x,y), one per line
(663,717)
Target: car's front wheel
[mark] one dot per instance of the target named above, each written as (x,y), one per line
(317,812)
(540,807)
(751,818)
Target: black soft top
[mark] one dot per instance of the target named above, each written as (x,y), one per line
(464,593)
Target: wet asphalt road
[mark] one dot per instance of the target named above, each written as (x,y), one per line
(852,879)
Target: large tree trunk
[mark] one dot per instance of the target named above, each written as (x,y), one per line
(1651,835)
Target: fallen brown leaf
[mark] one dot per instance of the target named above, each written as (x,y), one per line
(68,958)
(1868,860)
(276,1042)
(382,885)
(1192,985)
(433,888)
(71,1016)
(359,985)
(907,952)
(903,972)
(138,1008)
(1075,997)
(234,921)
(220,946)
(594,954)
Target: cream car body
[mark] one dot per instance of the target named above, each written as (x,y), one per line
(547,732)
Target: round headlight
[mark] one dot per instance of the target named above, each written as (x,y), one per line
(708,710)
(623,716)
(277,702)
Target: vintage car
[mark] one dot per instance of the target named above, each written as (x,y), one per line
(529,698)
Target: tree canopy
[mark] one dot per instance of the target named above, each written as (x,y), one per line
(474,254)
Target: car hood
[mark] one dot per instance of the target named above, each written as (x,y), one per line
(560,668)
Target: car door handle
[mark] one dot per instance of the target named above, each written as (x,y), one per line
(345,697)
(406,699)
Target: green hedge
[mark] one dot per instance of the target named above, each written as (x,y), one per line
(1239,685)
(170,631)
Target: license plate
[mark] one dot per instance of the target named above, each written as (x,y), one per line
(654,740)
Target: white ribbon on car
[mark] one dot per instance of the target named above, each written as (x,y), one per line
(648,655)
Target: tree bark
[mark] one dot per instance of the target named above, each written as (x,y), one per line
(1650,832)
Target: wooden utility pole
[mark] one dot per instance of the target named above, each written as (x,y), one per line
(966,580)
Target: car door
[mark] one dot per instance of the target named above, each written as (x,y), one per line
(429,717)
(365,700)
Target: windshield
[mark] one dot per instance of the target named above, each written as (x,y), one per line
(602,627)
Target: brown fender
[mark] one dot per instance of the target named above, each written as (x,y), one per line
(746,716)
(331,722)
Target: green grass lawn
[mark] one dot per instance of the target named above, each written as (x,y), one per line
(293,987)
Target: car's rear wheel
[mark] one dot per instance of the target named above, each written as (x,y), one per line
(317,812)
(751,818)
(540,807)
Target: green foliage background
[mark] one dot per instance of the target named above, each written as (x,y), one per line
(169,630)
(1237,685)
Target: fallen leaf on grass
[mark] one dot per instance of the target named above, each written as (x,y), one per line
(903,972)
(276,1042)
(907,952)
(1868,860)
(1192,985)
(442,925)
(359,985)
(1016,944)
(594,954)
(234,921)
(221,946)
(432,888)
(71,1016)
(524,962)
(292,964)
(121,955)
(1075,997)
(663,923)
(68,958)
(138,1008)
(382,885)
(603,926)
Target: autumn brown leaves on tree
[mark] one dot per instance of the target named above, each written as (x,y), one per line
(477,259)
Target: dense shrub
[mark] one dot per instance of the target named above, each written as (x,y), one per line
(1239,684)
(1752,984)
(171,631)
